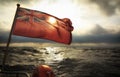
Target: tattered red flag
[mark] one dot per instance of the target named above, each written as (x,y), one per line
(37,24)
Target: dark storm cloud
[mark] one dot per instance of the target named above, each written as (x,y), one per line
(107,38)
(98,35)
(108,6)
(26,39)
(18,39)
(4,35)
(99,30)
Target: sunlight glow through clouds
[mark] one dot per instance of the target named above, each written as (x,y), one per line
(83,16)
(52,20)
(63,9)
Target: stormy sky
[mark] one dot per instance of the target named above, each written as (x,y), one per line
(94,21)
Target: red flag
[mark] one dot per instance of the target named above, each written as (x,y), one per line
(37,24)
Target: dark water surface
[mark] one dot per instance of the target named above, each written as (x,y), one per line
(67,61)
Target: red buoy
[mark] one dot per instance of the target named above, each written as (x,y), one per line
(43,71)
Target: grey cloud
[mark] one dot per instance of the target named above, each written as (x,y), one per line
(26,39)
(98,35)
(108,6)
(4,35)
(99,30)
(107,38)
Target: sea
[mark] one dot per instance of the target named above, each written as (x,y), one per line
(65,61)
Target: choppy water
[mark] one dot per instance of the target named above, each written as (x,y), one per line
(69,61)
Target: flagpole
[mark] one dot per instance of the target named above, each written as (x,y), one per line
(9,39)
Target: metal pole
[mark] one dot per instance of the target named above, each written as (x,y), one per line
(9,39)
